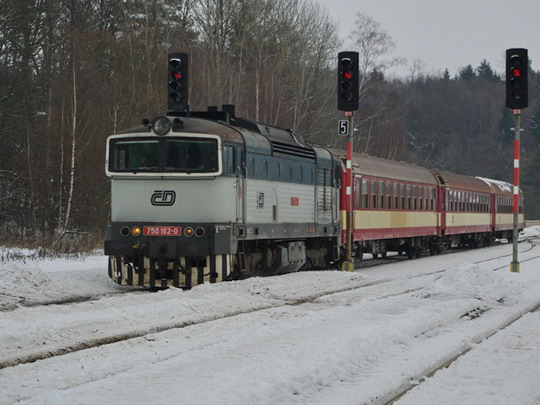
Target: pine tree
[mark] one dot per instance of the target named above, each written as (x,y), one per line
(486,72)
(467,73)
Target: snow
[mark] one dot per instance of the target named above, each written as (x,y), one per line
(277,340)
(503,186)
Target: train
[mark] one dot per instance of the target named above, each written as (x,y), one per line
(202,197)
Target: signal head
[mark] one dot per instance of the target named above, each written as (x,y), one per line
(348,85)
(517,62)
(177,91)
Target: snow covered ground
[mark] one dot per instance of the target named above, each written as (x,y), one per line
(306,338)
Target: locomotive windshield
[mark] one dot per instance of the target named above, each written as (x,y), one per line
(169,155)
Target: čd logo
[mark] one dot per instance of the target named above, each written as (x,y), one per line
(163,197)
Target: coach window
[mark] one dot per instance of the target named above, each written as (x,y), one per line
(373,194)
(395,202)
(364,193)
(388,195)
(402,196)
(357,192)
(381,194)
(408,200)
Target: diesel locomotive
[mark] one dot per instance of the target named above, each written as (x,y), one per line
(205,197)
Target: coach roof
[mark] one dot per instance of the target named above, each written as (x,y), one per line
(378,167)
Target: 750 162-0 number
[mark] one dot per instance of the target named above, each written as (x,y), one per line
(162,231)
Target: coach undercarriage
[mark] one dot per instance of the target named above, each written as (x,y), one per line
(415,246)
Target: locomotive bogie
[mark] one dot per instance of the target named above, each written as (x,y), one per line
(182,272)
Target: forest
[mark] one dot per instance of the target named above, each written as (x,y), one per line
(73,72)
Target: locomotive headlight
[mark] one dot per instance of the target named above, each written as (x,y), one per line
(136,231)
(188,231)
(199,231)
(161,126)
(125,231)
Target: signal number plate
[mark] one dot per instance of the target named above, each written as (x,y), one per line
(162,231)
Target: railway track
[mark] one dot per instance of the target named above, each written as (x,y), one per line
(278,301)
(447,362)
(79,345)
(366,263)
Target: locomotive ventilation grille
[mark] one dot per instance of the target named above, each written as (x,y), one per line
(293,150)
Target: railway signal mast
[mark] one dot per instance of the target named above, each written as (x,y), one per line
(517,97)
(348,100)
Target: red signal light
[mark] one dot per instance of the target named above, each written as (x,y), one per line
(516,72)
(347,75)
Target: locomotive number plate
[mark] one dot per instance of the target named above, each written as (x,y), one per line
(162,231)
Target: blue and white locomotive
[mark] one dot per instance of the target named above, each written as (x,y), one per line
(205,196)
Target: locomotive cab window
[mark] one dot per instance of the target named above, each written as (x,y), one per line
(187,155)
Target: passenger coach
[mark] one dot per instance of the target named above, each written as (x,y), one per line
(395,206)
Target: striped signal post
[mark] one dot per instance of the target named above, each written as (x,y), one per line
(517,98)
(514,265)
(348,263)
(348,97)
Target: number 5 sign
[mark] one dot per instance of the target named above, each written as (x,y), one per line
(343,127)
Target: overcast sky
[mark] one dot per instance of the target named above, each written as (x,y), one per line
(448,33)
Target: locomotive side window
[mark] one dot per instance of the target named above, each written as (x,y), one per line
(183,155)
